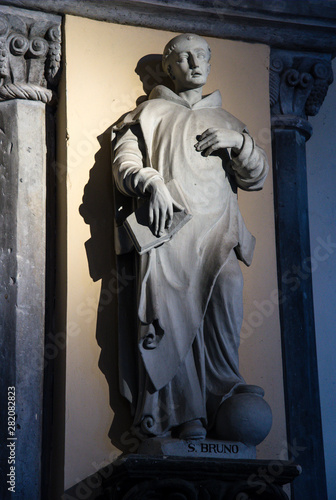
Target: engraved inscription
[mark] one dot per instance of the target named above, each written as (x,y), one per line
(216,448)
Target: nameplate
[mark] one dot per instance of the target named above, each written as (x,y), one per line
(206,448)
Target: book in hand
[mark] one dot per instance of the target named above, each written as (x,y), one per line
(141,233)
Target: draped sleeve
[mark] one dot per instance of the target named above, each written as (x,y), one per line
(131,175)
(250,166)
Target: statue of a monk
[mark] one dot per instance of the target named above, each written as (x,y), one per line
(180,361)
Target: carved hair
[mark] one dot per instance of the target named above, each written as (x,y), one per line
(171,46)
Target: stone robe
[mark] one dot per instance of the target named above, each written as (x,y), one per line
(189,297)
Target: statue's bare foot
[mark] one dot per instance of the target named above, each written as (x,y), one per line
(192,430)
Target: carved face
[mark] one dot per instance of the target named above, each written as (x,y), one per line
(188,63)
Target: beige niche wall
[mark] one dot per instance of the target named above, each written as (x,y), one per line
(101,85)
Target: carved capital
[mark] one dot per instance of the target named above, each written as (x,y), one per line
(30,56)
(298,86)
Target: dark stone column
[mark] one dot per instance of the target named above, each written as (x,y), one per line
(298,86)
(29,62)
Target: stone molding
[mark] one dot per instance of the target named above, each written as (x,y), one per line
(293,25)
(30,56)
(299,83)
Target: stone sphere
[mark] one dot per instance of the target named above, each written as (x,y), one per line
(244,417)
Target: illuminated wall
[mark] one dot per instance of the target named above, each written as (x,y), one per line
(101,84)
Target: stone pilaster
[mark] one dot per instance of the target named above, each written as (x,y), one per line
(29,68)
(298,85)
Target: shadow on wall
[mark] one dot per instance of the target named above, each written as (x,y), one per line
(149,69)
(97,210)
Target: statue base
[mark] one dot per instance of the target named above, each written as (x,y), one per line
(141,477)
(206,448)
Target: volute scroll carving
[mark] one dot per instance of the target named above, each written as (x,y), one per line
(30,58)
(298,86)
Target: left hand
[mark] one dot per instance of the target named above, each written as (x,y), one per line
(219,138)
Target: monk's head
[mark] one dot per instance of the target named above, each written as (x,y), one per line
(186,59)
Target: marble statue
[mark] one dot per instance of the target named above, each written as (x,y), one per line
(180,363)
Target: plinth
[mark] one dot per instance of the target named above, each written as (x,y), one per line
(141,477)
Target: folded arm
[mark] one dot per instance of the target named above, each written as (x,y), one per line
(248,161)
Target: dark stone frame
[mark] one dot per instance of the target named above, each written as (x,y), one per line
(301,25)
